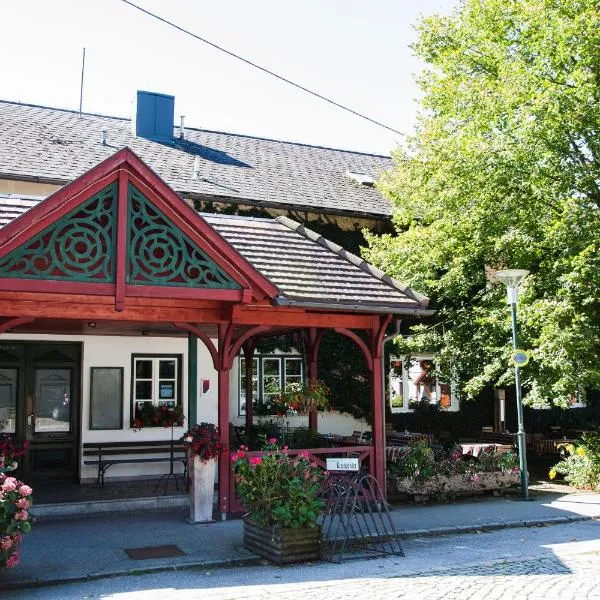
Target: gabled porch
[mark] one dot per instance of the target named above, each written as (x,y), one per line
(108,285)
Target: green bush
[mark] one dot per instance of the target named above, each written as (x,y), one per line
(580,464)
(422,461)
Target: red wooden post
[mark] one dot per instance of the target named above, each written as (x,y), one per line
(314,341)
(377,335)
(223,379)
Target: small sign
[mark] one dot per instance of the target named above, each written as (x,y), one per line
(342,464)
(520,358)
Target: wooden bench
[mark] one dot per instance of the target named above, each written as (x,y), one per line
(107,454)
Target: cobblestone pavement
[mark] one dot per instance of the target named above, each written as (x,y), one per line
(574,577)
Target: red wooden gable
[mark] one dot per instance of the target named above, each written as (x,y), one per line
(120,230)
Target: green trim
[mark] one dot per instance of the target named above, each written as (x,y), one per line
(78,247)
(192,380)
(159,253)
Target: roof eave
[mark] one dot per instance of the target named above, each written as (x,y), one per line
(396,309)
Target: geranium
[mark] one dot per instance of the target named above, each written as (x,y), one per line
(11,448)
(14,519)
(204,441)
(148,415)
(298,399)
(279,489)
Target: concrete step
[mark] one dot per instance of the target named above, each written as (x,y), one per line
(93,507)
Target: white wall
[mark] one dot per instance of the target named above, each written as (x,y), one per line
(115,351)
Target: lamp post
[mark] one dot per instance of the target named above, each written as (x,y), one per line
(512,278)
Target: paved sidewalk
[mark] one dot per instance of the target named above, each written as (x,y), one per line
(92,547)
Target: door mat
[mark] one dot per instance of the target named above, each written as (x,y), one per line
(154,552)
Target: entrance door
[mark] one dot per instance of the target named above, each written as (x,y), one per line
(39,401)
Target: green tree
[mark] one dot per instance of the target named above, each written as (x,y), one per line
(504,171)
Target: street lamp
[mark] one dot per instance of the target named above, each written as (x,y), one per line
(512,278)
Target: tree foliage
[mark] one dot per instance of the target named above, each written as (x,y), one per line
(504,171)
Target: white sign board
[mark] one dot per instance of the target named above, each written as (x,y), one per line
(342,464)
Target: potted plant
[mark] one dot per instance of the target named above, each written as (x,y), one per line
(15,519)
(10,450)
(280,491)
(297,399)
(204,445)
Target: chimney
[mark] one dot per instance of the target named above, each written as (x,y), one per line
(103,137)
(182,128)
(154,116)
(196,175)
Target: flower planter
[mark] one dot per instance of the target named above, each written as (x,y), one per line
(423,489)
(202,489)
(281,545)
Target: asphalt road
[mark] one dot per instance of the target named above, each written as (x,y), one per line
(560,561)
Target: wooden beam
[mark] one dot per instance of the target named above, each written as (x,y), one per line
(97,312)
(121,242)
(271,315)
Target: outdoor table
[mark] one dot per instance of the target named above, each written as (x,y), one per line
(476,449)
(407,437)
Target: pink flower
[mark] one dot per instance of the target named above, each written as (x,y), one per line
(255,460)
(22,503)
(9,485)
(272,440)
(241,453)
(25,490)
(22,515)
(6,543)
(304,454)
(306,474)
(235,456)
(13,560)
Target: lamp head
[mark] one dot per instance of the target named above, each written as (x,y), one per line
(511,277)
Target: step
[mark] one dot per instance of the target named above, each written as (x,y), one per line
(93,507)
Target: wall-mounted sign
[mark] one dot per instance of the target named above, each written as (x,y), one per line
(520,358)
(342,464)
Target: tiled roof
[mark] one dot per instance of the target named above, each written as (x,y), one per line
(305,267)
(308,269)
(57,145)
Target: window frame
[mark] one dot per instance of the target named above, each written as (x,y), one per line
(405,381)
(156,401)
(260,373)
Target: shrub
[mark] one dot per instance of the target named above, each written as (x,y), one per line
(15,501)
(580,464)
(277,488)
(422,461)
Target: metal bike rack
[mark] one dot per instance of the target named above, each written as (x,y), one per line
(357,522)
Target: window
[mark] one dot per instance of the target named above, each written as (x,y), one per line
(415,381)
(270,375)
(156,380)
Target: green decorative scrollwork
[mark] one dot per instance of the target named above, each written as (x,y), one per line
(80,246)
(159,253)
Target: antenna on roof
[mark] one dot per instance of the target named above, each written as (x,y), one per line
(81,86)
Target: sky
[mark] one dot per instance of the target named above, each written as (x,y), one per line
(355,52)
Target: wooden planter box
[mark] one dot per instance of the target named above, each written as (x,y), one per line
(423,489)
(282,545)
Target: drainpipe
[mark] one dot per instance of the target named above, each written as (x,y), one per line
(386,339)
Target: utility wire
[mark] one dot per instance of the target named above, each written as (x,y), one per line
(263,69)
